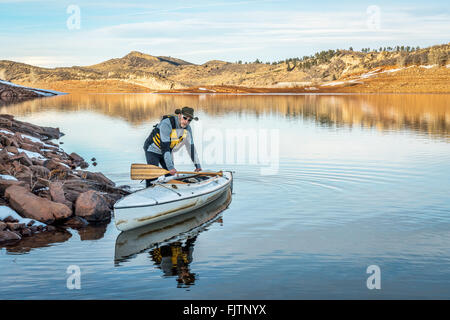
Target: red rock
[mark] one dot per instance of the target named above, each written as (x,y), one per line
(52,143)
(36,143)
(23,159)
(8,236)
(54,165)
(75,157)
(5,184)
(18,136)
(92,206)
(57,193)
(96,176)
(7,116)
(50,164)
(9,141)
(40,171)
(4,155)
(49,228)
(71,195)
(26,232)
(30,147)
(13,226)
(10,219)
(31,206)
(12,149)
(84,165)
(5,122)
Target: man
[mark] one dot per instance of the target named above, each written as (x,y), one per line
(171,132)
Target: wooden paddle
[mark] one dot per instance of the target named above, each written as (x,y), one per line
(147,171)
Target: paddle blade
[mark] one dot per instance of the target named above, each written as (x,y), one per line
(146,171)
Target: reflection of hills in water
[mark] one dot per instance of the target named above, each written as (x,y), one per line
(169,232)
(425,113)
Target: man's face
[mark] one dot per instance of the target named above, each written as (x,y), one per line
(184,120)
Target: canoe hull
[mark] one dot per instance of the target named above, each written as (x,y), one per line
(134,212)
(134,241)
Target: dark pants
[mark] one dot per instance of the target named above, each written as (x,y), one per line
(154,159)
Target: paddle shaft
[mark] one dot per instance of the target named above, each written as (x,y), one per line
(147,171)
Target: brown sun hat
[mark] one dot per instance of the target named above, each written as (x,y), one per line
(187,111)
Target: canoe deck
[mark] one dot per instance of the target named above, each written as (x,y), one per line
(167,198)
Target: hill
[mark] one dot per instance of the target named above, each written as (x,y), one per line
(400,69)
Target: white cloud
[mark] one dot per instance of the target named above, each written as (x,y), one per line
(199,37)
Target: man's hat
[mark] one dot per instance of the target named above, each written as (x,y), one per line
(187,111)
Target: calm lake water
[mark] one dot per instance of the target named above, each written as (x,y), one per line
(325,186)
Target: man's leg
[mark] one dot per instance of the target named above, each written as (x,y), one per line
(153,159)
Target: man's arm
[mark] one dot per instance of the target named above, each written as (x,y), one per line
(165,130)
(190,148)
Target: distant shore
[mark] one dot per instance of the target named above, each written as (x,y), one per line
(411,79)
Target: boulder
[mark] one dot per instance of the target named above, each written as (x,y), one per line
(57,193)
(18,136)
(30,147)
(12,149)
(31,206)
(38,162)
(23,159)
(84,165)
(5,122)
(26,232)
(13,226)
(75,157)
(96,176)
(4,155)
(7,235)
(92,206)
(9,141)
(52,165)
(6,116)
(10,219)
(2,226)
(40,171)
(71,195)
(57,169)
(5,184)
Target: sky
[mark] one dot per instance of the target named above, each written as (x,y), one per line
(67,33)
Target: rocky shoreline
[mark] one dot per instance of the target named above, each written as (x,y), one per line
(13,93)
(44,190)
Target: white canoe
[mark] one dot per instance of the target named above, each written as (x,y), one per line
(132,242)
(167,199)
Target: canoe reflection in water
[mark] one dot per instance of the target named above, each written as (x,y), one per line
(170,243)
(174,259)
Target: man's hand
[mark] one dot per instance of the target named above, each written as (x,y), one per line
(173,171)
(198,170)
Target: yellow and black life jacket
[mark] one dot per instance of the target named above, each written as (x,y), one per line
(155,136)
